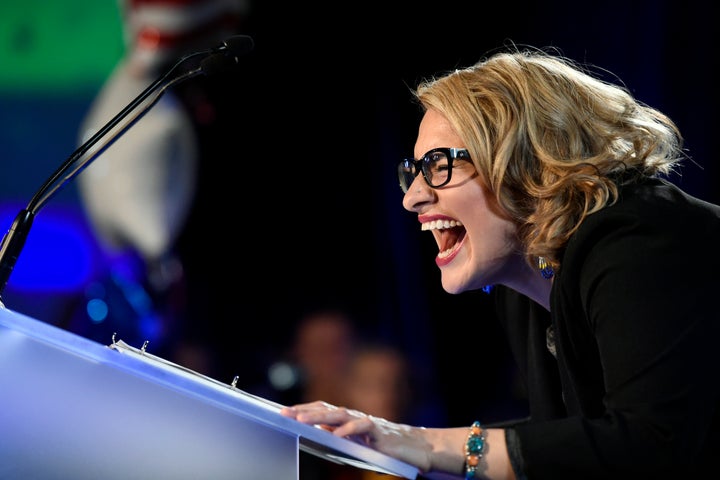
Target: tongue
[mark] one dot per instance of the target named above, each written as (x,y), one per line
(450,237)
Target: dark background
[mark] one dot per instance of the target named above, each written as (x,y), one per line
(299,203)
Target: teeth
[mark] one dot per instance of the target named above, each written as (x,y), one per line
(447,252)
(440,224)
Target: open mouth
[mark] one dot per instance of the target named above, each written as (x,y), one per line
(448,234)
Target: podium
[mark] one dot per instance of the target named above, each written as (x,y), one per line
(73,408)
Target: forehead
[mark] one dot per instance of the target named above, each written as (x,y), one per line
(435,131)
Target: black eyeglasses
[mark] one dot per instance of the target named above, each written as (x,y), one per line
(435,165)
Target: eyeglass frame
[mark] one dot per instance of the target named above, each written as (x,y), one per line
(418,165)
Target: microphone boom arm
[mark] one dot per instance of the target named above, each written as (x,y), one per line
(14,240)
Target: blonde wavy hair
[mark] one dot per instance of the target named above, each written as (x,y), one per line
(550,140)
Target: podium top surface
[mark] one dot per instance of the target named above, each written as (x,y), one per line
(67,399)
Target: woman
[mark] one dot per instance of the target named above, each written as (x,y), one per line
(543,180)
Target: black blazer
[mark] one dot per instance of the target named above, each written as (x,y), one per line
(633,387)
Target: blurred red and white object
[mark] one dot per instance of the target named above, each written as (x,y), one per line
(161,31)
(138,193)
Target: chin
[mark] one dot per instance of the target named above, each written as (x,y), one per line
(454,288)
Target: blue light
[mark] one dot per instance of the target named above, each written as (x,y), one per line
(60,253)
(97,310)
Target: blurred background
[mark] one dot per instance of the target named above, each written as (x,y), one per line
(292,202)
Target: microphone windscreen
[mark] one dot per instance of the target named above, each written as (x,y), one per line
(218,63)
(239,45)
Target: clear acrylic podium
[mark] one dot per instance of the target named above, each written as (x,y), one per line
(71,408)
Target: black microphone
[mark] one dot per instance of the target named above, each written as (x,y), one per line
(237,45)
(220,58)
(216,60)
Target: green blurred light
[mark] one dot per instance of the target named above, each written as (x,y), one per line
(58,45)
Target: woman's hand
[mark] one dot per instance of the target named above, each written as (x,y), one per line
(409,444)
(403,442)
(428,449)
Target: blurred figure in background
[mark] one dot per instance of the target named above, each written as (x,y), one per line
(318,360)
(379,382)
(330,357)
(317,365)
(140,192)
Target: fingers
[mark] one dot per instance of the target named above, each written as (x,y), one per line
(294,410)
(327,414)
(401,441)
(339,420)
(359,427)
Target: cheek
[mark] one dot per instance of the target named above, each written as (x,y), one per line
(489,231)
(483,221)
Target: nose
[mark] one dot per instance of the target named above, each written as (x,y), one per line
(419,194)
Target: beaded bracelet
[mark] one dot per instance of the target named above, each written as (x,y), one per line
(474,449)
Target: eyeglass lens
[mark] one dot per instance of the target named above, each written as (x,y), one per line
(435,167)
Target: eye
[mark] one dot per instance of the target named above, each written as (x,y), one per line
(437,162)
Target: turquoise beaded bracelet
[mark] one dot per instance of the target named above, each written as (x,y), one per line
(474,449)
